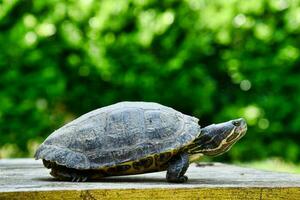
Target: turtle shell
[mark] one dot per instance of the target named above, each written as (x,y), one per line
(119,133)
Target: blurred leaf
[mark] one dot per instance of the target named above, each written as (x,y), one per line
(216,60)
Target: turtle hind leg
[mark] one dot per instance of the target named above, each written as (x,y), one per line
(68,174)
(177,168)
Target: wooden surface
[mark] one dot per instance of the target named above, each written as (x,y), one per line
(28,179)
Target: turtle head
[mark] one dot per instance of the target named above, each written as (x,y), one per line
(216,139)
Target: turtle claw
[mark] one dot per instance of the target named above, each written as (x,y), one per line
(183,179)
(78,178)
(84,179)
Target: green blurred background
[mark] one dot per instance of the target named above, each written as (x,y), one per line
(215,60)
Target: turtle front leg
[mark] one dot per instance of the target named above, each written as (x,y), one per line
(177,168)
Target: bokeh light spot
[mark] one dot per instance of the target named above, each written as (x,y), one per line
(239,20)
(41,104)
(73,60)
(46,29)
(94,22)
(251,113)
(289,53)
(29,21)
(245,85)
(168,18)
(30,38)
(263,32)
(263,123)
(109,38)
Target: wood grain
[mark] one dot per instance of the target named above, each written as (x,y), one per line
(28,179)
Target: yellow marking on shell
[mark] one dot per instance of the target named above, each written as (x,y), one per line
(154,167)
(195,157)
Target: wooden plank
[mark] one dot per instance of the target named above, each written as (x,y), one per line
(178,194)
(28,179)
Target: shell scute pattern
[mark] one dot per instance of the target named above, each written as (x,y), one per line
(124,127)
(120,133)
(161,125)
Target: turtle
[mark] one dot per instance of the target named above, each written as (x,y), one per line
(134,137)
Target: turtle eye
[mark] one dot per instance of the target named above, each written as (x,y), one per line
(236,123)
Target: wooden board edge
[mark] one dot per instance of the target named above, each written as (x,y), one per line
(163,193)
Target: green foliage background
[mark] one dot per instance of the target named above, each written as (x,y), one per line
(216,60)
